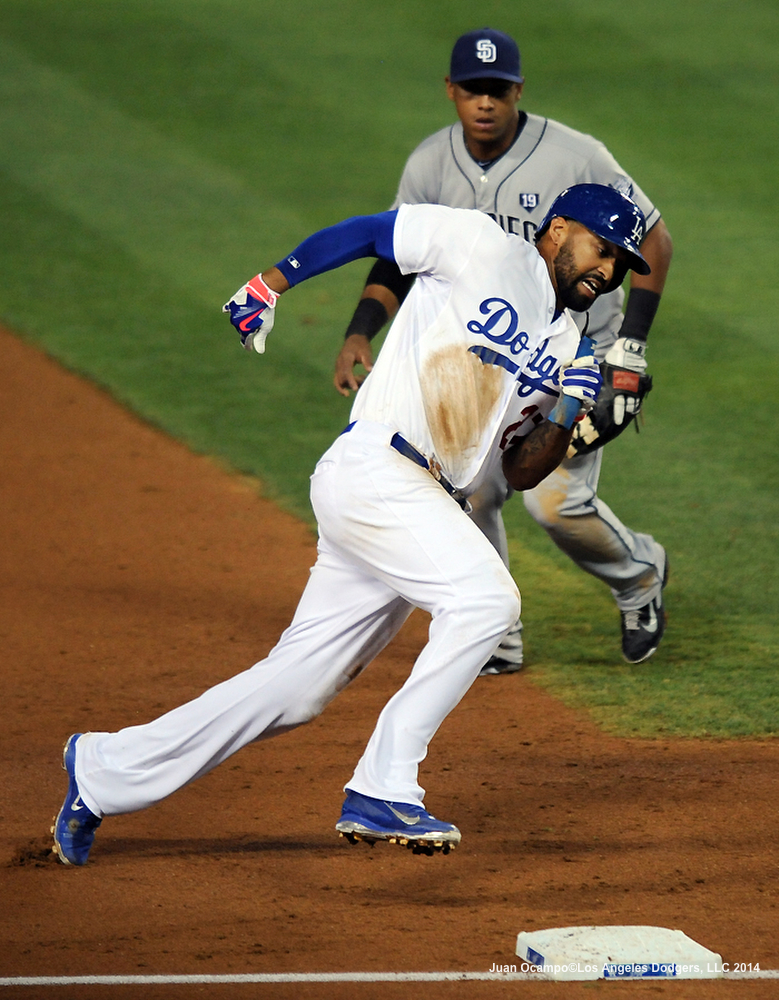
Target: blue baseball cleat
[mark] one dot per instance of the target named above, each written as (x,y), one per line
(75,825)
(368,819)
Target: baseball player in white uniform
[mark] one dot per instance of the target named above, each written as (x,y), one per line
(511,165)
(478,373)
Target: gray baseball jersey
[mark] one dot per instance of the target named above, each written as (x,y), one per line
(517,189)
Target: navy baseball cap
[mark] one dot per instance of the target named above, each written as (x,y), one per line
(485,54)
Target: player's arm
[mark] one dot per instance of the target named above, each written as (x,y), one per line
(532,458)
(529,461)
(252,308)
(384,290)
(276,281)
(646,289)
(626,359)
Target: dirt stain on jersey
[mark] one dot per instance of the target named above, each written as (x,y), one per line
(460,394)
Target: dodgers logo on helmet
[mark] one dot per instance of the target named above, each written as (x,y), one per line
(638,230)
(486,50)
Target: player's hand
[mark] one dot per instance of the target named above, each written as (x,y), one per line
(356,351)
(581,379)
(630,356)
(252,312)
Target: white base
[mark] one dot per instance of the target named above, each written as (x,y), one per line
(617,952)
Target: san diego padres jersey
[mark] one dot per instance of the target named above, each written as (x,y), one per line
(470,360)
(517,189)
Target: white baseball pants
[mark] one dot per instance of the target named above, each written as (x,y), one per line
(389,538)
(567,506)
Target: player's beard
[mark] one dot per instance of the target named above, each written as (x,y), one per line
(568,277)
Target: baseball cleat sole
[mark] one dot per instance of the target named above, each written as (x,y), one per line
(413,844)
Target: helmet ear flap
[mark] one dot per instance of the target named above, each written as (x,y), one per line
(621,268)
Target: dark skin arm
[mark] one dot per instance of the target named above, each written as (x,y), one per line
(658,250)
(532,458)
(357,347)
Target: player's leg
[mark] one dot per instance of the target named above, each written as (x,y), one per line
(632,564)
(342,621)
(418,541)
(487,515)
(357,597)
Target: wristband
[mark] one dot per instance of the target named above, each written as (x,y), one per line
(639,313)
(565,412)
(369,317)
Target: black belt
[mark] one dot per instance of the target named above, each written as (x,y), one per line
(401,445)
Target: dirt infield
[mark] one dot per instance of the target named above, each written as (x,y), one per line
(135,574)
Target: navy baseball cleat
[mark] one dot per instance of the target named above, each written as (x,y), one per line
(508,658)
(643,628)
(368,819)
(75,825)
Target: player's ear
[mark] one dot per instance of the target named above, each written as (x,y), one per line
(449,88)
(519,87)
(558,230)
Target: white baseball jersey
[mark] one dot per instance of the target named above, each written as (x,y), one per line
(517,189)
(470,360)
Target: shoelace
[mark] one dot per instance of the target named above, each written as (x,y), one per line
(631,620)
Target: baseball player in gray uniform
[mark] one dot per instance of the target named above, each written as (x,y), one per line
(481,369)
(510,165)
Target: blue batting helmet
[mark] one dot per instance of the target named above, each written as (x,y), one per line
(607,213)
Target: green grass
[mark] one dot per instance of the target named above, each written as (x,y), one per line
(715,674)
(156,155)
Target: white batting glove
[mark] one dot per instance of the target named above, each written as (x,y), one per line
(627,353)
(631,355)
(581,379)
(252,312)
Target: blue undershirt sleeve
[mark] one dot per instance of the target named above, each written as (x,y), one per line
(360,236)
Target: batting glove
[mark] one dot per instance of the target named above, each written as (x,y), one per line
(252,312)
(629,355)
(581,379)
